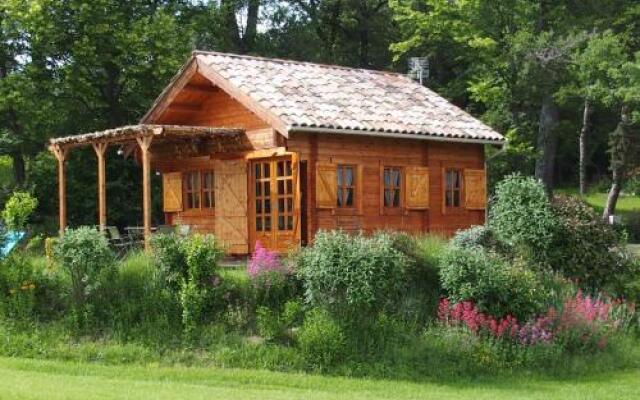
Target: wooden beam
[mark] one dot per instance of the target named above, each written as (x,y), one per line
(61,155)
(144,143)
(179,81)
(100,149)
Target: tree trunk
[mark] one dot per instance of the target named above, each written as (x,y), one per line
(547,142)
(249,37)
(618,163)
(584,132)
(19,170)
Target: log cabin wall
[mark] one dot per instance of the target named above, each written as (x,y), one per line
(370,155)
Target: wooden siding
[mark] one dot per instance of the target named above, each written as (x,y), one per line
(371,154)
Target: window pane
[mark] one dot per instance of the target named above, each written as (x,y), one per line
(208,203)
(340,173)
(449,180)
(396,198)
(267,206)
(395,177)
(348,178)
(387,178)
(288,170)
(349,200)
(289,204)
(289,186)
(267,223)
(259,223)
(280,168)
(448,200)
(280,222)
(280,187)
(258,189)
(290,223)
(456,179)
(456,199)
(280,205)
(266,189)
(387,198)
(340,197)
(257,171)
(196,181)
(258,207)
(266,170)
(196,199)
(208,181)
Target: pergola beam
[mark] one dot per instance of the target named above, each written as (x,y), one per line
(144,143)
(100,149)
(61,155)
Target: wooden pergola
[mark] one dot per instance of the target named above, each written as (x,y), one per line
(132,138)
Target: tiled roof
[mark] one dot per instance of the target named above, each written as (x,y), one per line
(311,95)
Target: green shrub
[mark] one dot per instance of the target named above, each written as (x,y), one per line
(353,277)
(273,324)
(497,286)
(83,253)
(134,301)
(273,289)
(18,209)
(201,254)
(479,235)
(321,340)
(588,250)
(419,296)
(29,290)
(521,216)
(268,323)
(169,257)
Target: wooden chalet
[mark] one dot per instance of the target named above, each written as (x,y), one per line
(255,149)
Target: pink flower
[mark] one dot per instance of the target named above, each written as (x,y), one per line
(264,260)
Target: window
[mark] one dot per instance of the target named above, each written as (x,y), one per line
(346,175)
(198,189)
(392,184)
(453,185)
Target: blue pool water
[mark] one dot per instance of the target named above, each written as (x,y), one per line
(11,240)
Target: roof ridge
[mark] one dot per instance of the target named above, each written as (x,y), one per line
(289,61)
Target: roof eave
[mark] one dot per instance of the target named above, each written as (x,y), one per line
(398,135)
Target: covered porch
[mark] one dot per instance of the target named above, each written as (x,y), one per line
(138,141)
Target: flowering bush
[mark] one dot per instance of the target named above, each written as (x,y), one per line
(272,280)
(583,322)
(263,261)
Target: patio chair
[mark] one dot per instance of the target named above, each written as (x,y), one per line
(121,243)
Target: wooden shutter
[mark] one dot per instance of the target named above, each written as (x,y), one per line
(417,188)
(475,188)
(172,191)
(297,197)
(326,186)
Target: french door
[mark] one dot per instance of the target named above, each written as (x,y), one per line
(275,197)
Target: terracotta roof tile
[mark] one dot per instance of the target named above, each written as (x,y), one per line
(323,96)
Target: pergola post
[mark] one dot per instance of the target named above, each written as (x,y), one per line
(145,142)
(61,155)
(100,149)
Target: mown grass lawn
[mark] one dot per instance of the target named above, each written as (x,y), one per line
(34,379)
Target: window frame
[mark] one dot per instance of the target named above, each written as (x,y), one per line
(399,187)
(342,189)
(201,191)
(453,190)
